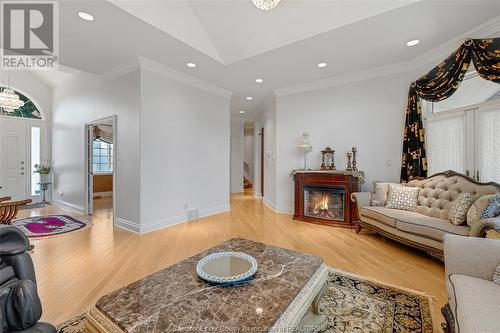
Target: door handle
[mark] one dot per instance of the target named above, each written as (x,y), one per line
(22,168)
(22,173)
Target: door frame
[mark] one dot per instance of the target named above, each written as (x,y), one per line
(87,161)
(262,155)
(28,123)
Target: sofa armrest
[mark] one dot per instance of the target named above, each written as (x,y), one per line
(471,256)
(479,229)
(360,199)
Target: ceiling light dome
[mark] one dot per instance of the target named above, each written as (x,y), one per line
(266,4)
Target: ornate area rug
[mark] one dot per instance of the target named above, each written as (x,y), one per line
(353,304)
(49,225)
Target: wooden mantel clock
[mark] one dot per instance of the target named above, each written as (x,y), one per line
(328,159)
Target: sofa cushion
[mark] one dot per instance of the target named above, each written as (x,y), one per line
(381,214)
(379,194)
(459,208)
(475,304)
(474,215)
(402,197)
(430,227)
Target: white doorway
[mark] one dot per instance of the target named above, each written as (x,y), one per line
(22,145)
(13,158)
(100,165)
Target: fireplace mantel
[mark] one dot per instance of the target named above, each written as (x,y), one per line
(323,197)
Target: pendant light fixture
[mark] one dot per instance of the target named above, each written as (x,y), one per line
(266,4)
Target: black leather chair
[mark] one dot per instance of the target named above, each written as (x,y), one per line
(20,306)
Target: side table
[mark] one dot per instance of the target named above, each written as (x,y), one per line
(44,187)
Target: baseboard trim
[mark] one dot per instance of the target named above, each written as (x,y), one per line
(127,225)
(103,194)
(284,209)
(271,205)
(182,218)
(69,204)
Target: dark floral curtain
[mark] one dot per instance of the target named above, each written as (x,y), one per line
(438,84)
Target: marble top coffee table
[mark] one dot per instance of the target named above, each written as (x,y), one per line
(277,299)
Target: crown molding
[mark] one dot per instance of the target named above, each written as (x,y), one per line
(121,70)
(421,64)
(160,69)
(155,67)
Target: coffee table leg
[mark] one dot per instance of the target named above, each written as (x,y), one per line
(314,320)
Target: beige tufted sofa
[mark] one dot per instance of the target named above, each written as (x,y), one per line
(425,228)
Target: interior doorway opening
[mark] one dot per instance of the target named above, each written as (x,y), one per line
(262,155)
(248,159)
(100,167)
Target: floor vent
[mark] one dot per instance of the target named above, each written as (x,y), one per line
(193,214)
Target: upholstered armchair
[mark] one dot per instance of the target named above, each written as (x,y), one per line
(473,298)
(20,307)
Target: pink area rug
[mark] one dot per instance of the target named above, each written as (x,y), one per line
(49,225)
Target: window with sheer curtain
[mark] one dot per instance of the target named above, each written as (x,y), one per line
(463,131)
(488,144)
(446,144)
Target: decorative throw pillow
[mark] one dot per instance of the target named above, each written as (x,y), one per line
(493,209)
(478,207)
(402,197)
(496,276)
(379,194)
(459,208)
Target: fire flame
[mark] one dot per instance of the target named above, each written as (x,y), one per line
(322,205)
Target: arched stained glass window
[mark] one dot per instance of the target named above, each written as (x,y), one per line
(28,110)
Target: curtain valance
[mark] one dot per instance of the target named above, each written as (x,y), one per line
(438,84)
(103,132)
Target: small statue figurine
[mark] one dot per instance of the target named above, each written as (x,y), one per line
(354,162)
(349,165)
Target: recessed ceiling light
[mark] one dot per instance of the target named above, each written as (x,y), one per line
(259,80)
(249,98)
(412,42)
(322,64)
(242,112)
(191,64)
(86,16)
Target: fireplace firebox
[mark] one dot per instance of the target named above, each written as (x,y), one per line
(327,203)
(323,197)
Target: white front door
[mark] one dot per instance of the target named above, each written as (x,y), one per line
(13,158)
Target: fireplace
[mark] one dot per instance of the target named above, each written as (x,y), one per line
(327,203)
(323,197)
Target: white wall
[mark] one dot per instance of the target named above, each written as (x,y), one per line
(236,155)
(184,151)
(85,98)
(368,114)
(248,152)
(266,119)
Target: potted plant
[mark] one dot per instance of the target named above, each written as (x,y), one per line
(43,171)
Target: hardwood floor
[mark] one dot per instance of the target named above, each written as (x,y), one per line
(74,270)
